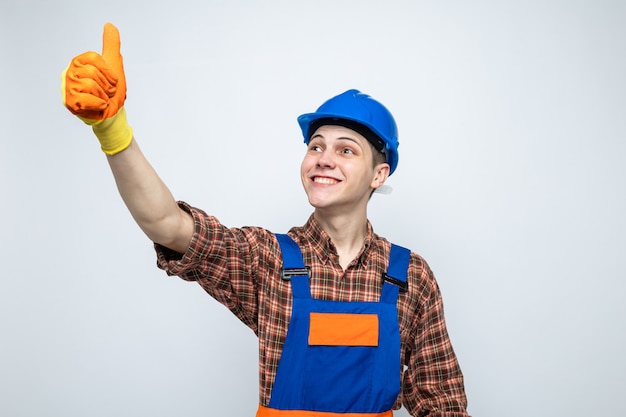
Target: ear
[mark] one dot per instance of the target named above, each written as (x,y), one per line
(381,174)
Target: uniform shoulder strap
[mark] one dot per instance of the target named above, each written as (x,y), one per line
(399,259)
(293,266)
(395,279)
(292,255)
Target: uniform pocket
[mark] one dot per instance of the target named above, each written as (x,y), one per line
(343,329)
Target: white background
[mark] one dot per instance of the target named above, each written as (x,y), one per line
(511,183)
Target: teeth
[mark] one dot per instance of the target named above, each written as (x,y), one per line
(322,180)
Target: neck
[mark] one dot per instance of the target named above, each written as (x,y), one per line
(347,232)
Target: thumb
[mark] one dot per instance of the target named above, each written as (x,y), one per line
(113,58)
(111,48)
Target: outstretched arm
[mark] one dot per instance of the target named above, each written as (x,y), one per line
(94,89)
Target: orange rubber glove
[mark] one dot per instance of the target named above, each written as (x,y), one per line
(94,89)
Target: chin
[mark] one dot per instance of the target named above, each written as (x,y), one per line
(318,203)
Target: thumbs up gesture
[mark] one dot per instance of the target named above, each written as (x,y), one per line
(94,89)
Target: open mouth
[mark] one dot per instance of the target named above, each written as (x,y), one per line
(325,180)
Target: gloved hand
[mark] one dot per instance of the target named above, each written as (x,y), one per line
(94,89)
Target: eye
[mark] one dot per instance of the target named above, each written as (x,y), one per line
(315,145)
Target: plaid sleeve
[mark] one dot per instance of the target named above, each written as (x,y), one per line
(223,261)
(433,383)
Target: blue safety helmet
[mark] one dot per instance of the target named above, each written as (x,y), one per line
(361,113)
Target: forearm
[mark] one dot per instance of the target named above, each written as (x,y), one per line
(149,200)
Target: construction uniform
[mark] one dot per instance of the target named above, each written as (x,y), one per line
(339,358)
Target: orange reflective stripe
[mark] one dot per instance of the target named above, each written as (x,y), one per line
(272,412)
(341,329)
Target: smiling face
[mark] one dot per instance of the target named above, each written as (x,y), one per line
(338,171)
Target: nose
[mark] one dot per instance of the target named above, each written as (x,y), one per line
(326,159)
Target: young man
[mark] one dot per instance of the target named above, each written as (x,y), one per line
(348,324)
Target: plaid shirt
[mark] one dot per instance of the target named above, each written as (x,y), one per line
(240,268)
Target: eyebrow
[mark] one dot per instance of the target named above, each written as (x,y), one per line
(348,138)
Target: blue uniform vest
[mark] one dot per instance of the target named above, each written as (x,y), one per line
(338,357)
